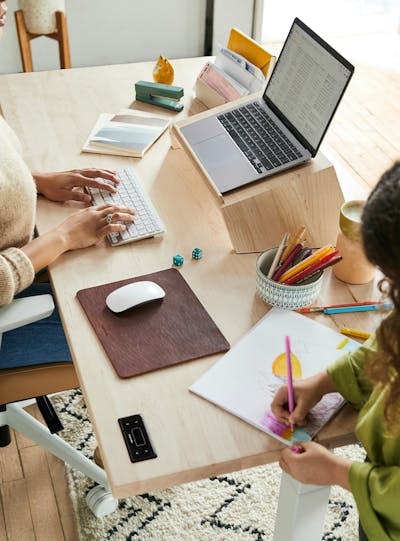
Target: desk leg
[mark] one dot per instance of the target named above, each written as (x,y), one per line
(301,511)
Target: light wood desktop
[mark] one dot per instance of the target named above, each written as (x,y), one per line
(53,112)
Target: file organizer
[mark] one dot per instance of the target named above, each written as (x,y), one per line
(243,66)
(155,335)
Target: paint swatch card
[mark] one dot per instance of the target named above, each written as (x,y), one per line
(244,381)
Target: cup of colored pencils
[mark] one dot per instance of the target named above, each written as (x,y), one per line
(290,275)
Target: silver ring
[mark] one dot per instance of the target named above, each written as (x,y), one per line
(109,218)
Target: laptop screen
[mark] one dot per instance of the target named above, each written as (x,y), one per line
(307,84)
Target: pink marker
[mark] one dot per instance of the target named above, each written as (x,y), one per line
(297,449)
(289,378)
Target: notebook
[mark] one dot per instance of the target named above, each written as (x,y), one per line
(282,128)
(128,133)
(155,335)
(245,379)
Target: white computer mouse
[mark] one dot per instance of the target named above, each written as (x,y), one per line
(133,295)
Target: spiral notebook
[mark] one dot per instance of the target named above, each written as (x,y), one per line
(155,335)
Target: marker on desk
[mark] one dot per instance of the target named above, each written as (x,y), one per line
(359,308)
(289,378)
(311,309)
(355,333)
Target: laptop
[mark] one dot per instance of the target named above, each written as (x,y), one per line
(285,126)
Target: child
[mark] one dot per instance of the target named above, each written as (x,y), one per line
(369,379)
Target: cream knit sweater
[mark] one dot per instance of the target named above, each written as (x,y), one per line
(17,216)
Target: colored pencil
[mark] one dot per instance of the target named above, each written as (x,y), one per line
(305,252)
(319,254)
(289,378)
(362,308)
(287,262)
(326,261)
(278,253)
(311,309)
(297,238)
(355,333)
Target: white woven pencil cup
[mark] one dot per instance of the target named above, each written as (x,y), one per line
(281,295)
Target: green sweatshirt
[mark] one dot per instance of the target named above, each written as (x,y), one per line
(375,484)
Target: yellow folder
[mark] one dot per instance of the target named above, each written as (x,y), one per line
(250,49)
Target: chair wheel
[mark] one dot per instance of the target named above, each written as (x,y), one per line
(100,501)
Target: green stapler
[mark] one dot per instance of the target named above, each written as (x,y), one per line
(166,96)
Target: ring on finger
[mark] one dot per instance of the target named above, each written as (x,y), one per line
(109,218)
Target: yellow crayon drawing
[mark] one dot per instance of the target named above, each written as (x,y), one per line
(279,366)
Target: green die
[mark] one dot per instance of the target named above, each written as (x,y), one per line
(197,253)
(178,260)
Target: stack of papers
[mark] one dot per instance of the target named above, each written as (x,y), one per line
(241,68)
(128,133)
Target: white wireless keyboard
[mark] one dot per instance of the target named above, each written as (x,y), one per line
(130,194)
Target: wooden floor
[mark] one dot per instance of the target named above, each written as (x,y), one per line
(34,498)
(363,141)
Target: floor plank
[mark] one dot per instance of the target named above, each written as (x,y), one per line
(63,500)
(10,464)
(44,510)
(3,535)
(21,440)
(17,514)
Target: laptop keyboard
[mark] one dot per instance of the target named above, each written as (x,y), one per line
(259,137)
(130,194)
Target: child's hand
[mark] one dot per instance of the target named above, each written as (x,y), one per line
(307,393)
(316,465)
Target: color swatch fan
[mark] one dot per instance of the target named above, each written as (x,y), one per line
(244,381)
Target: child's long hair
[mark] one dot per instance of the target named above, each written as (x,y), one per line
(381,239)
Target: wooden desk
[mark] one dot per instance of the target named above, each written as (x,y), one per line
(53,112)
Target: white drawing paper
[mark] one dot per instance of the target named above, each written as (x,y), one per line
(245,379)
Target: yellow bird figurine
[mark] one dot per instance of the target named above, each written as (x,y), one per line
(163,71)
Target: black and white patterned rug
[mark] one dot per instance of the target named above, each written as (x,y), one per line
(240,506)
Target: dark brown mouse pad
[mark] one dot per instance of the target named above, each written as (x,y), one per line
(155,335)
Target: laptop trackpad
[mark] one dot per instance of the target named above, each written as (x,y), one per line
(223,161)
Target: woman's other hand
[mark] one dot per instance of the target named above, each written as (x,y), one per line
(316,465)
(90,225)
(80,230)
(307,393)
(68,185)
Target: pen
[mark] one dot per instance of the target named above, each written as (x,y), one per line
(360,308)
(289,378)
(326,261)
(277,255)
(311,309)
(355,333)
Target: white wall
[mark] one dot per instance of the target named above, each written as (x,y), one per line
(114,31)
(119,31)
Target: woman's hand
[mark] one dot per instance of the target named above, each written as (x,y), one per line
(90,225)
(307,393)
(80,230)
(67,185)
(316,465)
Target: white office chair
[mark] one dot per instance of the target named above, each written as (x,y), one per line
(36,382)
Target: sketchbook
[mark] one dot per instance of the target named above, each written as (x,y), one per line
(244,381)
(128,133)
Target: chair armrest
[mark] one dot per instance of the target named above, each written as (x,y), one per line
(24,311)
